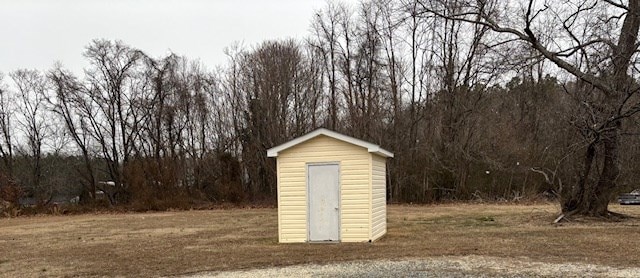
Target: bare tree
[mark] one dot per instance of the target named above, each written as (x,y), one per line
(271,74)
(596,43)
(326,26)
(6,115)
(70,105)
(32,87)
(111,112)
(467,93)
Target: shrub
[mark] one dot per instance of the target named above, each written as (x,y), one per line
(10,194)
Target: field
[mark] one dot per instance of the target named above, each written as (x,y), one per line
(189,242)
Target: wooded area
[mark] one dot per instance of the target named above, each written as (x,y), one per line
(482,99)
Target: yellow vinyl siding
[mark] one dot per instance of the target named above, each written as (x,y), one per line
(354,188)
(379,197)
(279,200)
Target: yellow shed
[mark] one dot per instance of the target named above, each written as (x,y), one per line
(331,188)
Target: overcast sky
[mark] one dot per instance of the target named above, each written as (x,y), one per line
(35,34)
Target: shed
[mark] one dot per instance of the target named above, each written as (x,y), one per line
(331,188)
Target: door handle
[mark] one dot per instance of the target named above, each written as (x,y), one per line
(336,208)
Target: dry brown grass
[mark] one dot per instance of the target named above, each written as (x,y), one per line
(171,243)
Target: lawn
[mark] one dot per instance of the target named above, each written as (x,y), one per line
(173,243)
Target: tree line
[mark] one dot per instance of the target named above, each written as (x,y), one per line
(477,99)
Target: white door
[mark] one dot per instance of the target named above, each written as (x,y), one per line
(324,202)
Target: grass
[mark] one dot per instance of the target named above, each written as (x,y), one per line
(173,243)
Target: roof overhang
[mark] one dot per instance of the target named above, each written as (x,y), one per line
(372,148)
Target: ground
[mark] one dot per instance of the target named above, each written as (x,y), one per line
(196,242)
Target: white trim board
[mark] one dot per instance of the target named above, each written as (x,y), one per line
(372,148)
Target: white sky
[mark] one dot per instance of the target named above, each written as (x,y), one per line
(35,34)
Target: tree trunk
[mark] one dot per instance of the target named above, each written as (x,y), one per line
(592,198)
(606,185)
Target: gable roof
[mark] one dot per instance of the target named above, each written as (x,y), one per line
(372,148)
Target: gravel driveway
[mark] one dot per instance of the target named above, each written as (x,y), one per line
(468,266)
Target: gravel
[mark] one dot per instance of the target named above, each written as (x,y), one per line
(467,266)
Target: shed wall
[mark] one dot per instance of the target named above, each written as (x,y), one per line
(379,197)
(354,187)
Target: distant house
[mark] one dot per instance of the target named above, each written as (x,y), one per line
(331,188)
(105,187)
(107,184)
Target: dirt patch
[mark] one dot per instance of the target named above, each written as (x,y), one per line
(178,243)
